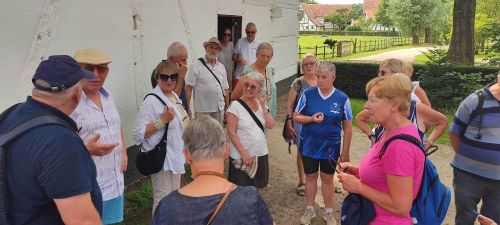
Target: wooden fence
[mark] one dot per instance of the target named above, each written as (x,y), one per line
(345,48)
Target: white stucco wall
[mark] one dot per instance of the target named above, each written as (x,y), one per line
(35,29)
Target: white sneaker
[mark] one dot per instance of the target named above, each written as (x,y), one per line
(308,215)
(329,218)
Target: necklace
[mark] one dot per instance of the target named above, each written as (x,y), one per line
(211,173)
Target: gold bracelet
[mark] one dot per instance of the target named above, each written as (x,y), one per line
(159,124)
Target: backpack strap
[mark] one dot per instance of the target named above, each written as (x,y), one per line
(478,111)
(11,134)
(404,137)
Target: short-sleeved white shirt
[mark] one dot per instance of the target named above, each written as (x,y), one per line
(250,134)
(246,51)
(207,96)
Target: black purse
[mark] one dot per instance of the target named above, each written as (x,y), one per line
(151,162)
(284,132)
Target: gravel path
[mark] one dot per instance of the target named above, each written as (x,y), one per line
(403,54)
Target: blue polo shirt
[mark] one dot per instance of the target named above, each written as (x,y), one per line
(46,163)
(322,141)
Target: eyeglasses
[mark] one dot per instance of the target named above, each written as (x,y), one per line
(226,34)
(308,64)
(250,32)
(383,73)
(171,77)
(248,85)
(215,47)
(99,68)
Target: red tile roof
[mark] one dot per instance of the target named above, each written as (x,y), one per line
(370,8)
(314,10)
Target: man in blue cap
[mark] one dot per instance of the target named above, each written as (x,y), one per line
(50,176)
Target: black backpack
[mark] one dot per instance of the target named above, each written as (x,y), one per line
(478,111)
(11,134)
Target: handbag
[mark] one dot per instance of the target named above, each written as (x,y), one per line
(151,162)
(284,132)
(356,210)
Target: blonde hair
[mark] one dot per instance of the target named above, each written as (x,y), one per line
(304,58)
(162,66)
(396,87)
(395,65)
(408,69)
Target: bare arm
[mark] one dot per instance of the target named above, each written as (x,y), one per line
(167,116)
(226,99)
(292,95)
(78,210)
(182,70)
(189,92)
(238,90)
(420,93)
(434,118)
(454,141)
(346,140)
(124,153)
(362,120)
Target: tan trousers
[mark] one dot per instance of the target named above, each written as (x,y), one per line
(164,182)
(219,115)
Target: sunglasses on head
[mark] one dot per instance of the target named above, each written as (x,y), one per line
(166,77)
(99,68)
(249,85)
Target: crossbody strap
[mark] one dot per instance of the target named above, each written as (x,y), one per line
(217,79)
(221,203)
(254,117)
(164,138)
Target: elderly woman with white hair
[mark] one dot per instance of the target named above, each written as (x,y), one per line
(199,201)
(324,112)
(247,118)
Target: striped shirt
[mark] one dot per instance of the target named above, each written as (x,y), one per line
(91,120)
(478,156)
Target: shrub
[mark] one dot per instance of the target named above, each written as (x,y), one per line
(436,56)
(354,27)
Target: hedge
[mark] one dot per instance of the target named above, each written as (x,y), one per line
(446,85)
(352,33)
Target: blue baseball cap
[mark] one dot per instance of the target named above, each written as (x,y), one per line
(60,72)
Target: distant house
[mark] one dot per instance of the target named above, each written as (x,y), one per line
(314,14)
(370,8)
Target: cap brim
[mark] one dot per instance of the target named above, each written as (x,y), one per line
(87,74)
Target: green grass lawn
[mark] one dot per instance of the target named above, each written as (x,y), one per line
(423,59)
(313,40)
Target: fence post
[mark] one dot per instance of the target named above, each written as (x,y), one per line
(324,51)
(354,47)
(316,50)
(300,52)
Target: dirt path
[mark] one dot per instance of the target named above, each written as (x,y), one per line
(286,207)
(403,54)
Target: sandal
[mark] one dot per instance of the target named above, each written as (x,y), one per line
(301,190)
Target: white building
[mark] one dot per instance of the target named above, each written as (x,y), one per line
(136,34)
(313,19)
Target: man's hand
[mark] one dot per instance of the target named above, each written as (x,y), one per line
(124,161)
(96,148)
(181,69)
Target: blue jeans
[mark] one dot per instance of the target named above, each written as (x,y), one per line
(469,190)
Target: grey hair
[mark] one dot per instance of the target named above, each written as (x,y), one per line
(256,76)
(250,24)
(175,50)
(264,45)
(204,139)
(328,67)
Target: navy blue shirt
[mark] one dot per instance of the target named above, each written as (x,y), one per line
(244,206)
(48,162)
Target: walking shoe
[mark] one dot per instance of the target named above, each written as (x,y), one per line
(329,218)
(309,214)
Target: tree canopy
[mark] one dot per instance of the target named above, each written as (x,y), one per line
(341,18)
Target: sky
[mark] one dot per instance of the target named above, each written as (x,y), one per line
(339,1)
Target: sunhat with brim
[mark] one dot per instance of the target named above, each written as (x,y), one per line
(212,41)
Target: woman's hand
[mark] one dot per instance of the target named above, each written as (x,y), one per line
(262,101)
(245,156)
(483,220)
(349,168)
(167,115)
(318,117)
(291,131)
(349,182)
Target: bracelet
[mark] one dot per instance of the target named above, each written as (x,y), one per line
(159,124)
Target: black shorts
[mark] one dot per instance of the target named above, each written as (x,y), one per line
(239,177)
(311,165)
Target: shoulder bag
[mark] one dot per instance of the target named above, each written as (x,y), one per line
(151,162)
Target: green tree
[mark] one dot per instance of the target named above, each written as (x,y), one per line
(414,17)
(357,11)
(308,1)
(461,49)
(340,18)
(382,15)
(487,14)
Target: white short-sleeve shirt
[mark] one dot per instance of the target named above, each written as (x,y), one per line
(246,51)
(250,134)
(207,96)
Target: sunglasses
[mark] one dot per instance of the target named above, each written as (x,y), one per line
(251,32)
(99,68)
(171,77)
(308,64)
(251,86)
(228,35)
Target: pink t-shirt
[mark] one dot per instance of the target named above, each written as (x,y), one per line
(401,158)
